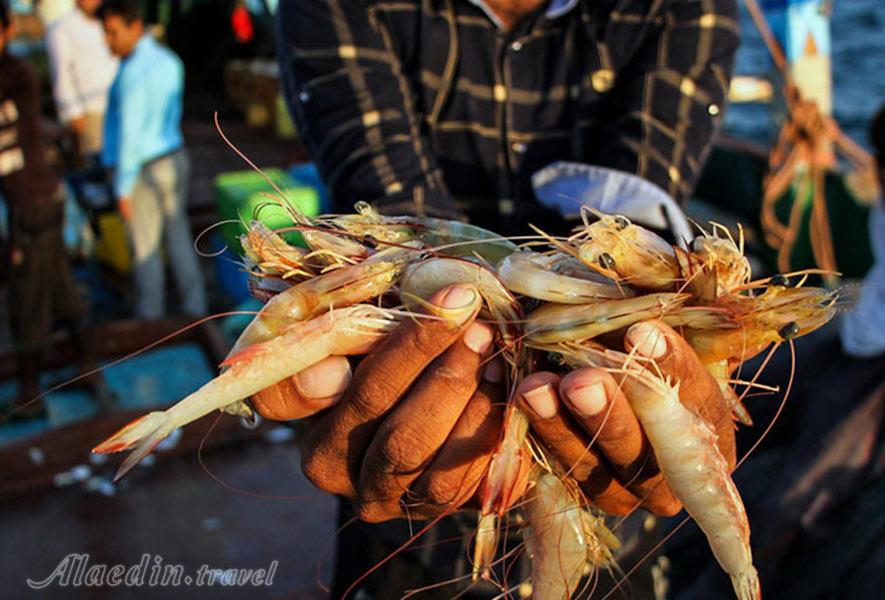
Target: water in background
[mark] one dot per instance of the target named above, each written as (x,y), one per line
(858,55)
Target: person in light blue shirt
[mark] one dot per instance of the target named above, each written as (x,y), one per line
(144,147)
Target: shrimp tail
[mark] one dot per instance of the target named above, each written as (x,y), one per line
(142,435)
(746,584)
(509,465)
(485,545)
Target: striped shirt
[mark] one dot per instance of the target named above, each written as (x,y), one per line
(429,106)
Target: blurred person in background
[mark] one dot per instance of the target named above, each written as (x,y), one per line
(82,69)
(49,11)
(863,329)
(144,147)
(41,282)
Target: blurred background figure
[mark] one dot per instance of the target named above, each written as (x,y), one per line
(145,148)
(82,69)
(863,329)
(42,285)
(49,11)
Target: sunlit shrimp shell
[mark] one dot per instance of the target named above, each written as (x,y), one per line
(754,322)
(617,248)
(459,239)
(351,330)
(369,224)
(685,450)
(564,540)
(556,278)
(273,255)
(555,539)
(724,256)
(334,289)
(446,237)
(716,264)
(568,322)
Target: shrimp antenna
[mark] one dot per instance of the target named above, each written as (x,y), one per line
(298,216)
(237,490)
(206,230)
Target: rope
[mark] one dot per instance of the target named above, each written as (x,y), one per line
(802,156)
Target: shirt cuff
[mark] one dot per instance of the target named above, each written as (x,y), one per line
(566,187)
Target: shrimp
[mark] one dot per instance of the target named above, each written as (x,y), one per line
(564,541)
(627,253)
(334,289)
(569,322)
(273,255)
(616,248)
(720,261)
(541,277)
(754,322)
(350,330)
(685,449)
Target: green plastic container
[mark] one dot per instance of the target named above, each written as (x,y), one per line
(245,196)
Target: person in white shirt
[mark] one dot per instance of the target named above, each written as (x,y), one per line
(83,69)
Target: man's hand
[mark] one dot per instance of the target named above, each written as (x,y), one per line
(412,430)
(124,205)
(586,420)
(78,126)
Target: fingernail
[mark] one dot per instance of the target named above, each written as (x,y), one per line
(542,400)
(494,372)
(330,377)
(459,296)
(589,400)
(647,340)
(478,337)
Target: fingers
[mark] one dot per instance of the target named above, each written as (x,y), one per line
(334,446)
(698,389)
(454,474)
(538,397)
(597,403)
(410,436)
(600,407)
(314,389)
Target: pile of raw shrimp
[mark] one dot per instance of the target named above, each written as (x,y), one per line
(354,277)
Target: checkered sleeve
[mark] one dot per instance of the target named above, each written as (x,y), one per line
(665,108)
(354,109)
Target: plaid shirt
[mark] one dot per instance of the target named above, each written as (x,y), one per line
(429,106)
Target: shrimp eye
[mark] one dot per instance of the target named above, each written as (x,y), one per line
(621,222)
(370,241)
(556,358)
(606,261)
(789,331)
(780,280)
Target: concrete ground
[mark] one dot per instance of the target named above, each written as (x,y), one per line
(175,511)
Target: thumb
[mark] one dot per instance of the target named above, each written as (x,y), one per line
(314,389)
(676,360)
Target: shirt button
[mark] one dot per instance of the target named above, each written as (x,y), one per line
(516,46)
(518,147)
(305,96)
(713,110)
(603,80)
